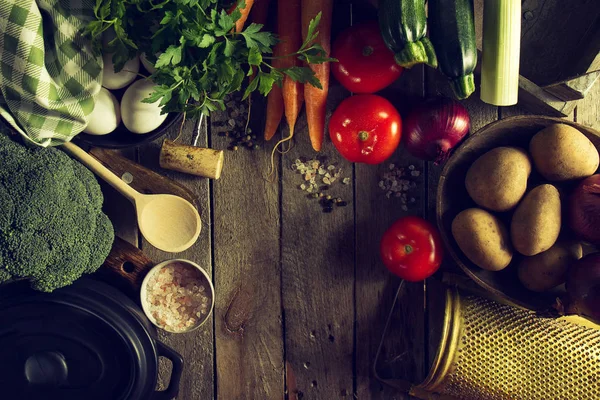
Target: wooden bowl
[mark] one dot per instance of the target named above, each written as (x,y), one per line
(452,198)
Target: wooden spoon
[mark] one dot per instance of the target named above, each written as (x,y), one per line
(168,222)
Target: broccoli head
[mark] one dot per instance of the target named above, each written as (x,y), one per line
(52,229)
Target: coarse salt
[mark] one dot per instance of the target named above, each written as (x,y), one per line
(176,297)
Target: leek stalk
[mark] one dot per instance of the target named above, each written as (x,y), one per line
(501,50)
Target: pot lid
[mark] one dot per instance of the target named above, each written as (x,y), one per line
(76,343)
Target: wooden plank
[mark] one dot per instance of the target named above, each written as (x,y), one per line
(196,347)
(574,89)
(318,269)
(538,101)
(375,286)
(120,210)
(318,276)
(248,330)
(480,115)
(588,109)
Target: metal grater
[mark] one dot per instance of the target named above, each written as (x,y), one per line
(493,351)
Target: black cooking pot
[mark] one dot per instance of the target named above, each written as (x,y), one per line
(87,341)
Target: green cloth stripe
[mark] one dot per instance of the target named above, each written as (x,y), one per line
(49,74)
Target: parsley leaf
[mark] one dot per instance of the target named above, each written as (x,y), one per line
(199,58)
(254,57)
(251,88)
(303,75)
(206,41)
(266,81)
(172,55)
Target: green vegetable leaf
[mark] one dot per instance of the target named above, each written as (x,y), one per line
(102,9)
(225,24)
(159,92)
(315,54)
(229,48)
(311,33)
(236,81)
(303,75)
(254,57)
(266,82)
(198,56)
(206,41)
(251,88)
(172,55)
(255,38)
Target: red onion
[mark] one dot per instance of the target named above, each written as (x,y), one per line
(584,210)
(434,128)
(583,287)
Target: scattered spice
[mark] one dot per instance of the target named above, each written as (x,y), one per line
(317,177)
(233,124)
(400,182)
(178,297)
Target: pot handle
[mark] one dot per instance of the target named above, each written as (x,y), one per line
(173,389)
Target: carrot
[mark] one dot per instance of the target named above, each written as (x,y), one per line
(274,100)
(316,99)
(290,33)
(260,11)
(274,111)
(239,24)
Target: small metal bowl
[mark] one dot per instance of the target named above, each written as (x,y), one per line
(206,281)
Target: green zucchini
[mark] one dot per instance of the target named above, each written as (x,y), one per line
(452,32)
(403,26)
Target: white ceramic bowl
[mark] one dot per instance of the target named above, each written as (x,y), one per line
(205,280)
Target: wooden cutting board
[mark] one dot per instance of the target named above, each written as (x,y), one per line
(141,178)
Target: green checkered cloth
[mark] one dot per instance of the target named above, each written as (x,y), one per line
(49,74)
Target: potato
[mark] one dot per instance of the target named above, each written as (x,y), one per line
(498,179)
(483,238)
(536,222)
(560,153)
(548,269)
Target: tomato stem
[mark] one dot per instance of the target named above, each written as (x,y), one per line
(408,249)
(363,136)
(367,51)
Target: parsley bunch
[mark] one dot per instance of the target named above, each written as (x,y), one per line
(199,59)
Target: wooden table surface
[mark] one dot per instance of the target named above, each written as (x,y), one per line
(301,296)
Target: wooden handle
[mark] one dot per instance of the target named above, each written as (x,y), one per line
(141,178)
(191,160)
(129,262)
(100,170)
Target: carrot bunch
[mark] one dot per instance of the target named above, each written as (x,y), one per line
(316,99)
(293,19)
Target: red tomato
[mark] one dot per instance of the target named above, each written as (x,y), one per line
(365,128)
(411,248)
(365,64)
